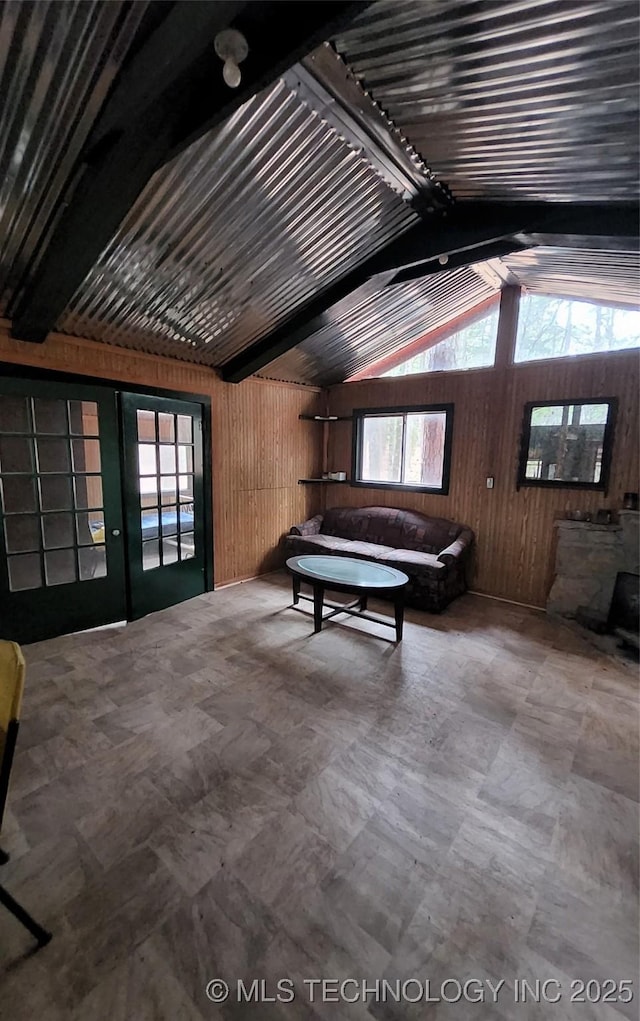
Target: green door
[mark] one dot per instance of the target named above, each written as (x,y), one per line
(164,501)
(62,555)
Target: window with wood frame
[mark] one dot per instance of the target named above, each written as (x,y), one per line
(567,443)
(403,448)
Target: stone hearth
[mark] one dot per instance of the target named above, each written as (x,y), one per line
(588,558)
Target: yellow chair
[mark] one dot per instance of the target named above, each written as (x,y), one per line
(11,687)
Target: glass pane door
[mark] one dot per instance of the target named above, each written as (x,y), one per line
(164,501)
(61,550)
(166,485)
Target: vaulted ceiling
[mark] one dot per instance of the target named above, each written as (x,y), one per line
(382,169)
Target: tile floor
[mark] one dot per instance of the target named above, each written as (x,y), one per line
(213,792)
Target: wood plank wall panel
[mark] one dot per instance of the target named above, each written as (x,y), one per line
(515,534)
(260,447)
(262,450)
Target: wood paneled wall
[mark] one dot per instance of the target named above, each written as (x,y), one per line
(260,448)
(514,530)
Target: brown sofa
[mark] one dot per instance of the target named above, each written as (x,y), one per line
(432,551)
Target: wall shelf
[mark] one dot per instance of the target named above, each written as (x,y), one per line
(333,482)
(325,418)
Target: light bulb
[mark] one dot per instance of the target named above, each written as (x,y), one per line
(231,73)
(443,259)
(232,48)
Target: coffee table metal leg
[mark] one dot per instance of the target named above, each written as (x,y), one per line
(296,589)
(362,605)
(399,608)
(318,600)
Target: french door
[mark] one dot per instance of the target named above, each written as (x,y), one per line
(62,557)
(101,506)
(164,501)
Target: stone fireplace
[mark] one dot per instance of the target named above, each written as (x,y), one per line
(588,558)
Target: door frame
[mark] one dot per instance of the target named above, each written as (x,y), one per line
(117,386)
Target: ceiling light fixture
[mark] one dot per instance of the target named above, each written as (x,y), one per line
(232,47)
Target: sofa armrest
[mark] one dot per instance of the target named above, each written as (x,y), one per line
(310,527)
(457,549)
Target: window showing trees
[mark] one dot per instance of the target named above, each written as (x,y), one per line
(404,447)
(567,443)
(472,347)
(557,327)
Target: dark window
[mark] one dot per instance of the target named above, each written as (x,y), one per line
(567,443)
(403,448)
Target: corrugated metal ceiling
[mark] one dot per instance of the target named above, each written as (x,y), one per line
(391,319)
(242,228)
(612,277)
(57,62)
(383,323)
(509,99)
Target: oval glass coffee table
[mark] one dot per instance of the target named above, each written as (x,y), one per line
(346,574)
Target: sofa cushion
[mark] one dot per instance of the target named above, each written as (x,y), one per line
(319,543)
(332,544)
(391,526)
(369,550)
(420,562)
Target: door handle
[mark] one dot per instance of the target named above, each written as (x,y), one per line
(115,531)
